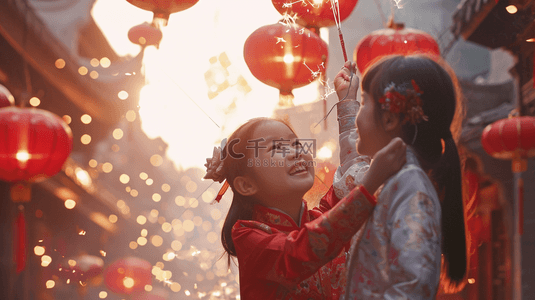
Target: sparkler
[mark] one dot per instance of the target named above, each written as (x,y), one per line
(303,2)
(335,6)
(315,74)
(288,20)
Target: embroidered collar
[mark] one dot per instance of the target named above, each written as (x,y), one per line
(275,217)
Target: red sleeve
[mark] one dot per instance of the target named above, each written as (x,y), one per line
(288,259)
(328,201)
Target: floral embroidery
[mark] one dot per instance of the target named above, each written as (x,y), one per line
(288,268)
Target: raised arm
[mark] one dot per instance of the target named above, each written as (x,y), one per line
(352,165)
(290,258)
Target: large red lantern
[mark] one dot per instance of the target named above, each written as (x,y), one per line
(145,34)
(128,275)
(396,39)
(311,13)
(285,57)
(163,8)
(34,144)
(513,138)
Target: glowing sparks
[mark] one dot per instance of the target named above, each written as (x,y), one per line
(398,5)
(288,20)
(315,3)
(315,74)
(328,91)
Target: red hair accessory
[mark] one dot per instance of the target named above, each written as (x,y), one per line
(214,170)
(406,100)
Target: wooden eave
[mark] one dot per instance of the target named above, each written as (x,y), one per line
(41,50)
(470,15)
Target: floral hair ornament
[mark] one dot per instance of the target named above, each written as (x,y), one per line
(406,100)
(214,170)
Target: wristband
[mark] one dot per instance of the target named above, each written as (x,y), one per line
(370,198)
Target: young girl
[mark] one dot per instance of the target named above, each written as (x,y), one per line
(397,254)
(283,250)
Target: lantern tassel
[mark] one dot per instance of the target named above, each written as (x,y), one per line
(286,99)
(19,241)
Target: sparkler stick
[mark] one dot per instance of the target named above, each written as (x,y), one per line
(336,12)
(335,6)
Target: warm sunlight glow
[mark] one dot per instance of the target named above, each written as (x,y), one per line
(324,153)
(174,104)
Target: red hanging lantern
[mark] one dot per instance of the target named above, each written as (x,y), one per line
(285,57)
(34,144)
(396,39)
(163,8)
(145,34)
(313,13)
(128,275)
(512,138)
(6,99)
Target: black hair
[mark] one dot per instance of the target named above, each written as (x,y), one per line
(434,145)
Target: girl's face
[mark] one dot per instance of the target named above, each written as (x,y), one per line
(283,168)
(371,134)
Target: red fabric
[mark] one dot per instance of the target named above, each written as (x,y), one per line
(371,198)
(280,260)
(20,242)
(222,191)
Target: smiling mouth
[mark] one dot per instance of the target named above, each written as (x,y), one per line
(299,168)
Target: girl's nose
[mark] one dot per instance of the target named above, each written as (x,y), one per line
(295,152)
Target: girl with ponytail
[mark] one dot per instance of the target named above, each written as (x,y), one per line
(418,231)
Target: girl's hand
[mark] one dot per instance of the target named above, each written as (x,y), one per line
(341,82)
(385,163)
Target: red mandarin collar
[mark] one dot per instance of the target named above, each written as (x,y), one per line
(278,219)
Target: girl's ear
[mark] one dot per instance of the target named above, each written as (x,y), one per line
(391,122)
(245,186)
